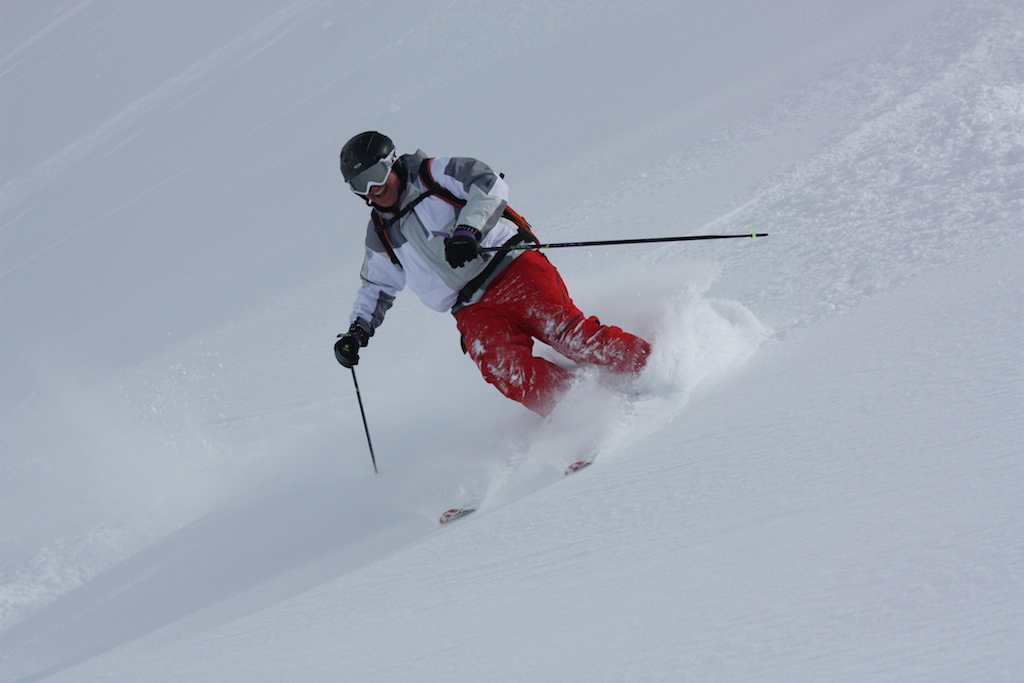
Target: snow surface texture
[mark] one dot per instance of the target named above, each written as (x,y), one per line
(819,477)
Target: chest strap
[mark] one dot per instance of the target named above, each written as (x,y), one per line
(381,224)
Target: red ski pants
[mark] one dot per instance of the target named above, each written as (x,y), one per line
(528,301)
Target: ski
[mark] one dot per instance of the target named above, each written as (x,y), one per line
(460,512)
(454,513)
(577,466)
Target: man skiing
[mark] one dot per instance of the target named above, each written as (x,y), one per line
(443,228)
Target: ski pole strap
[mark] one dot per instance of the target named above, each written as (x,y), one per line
(640,240)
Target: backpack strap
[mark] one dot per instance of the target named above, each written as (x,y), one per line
(381,224)
(434,187)
(380,227)
(467,292)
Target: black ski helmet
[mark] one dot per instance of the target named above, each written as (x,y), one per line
(363,151)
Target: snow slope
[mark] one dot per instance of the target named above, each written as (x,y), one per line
(822,482)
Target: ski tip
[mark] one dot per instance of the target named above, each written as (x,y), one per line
(577,466)
(454,513)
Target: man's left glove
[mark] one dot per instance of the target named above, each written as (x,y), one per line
(462,247)
(346,349)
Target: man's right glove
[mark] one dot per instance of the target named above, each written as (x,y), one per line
(346,349)
(462,247)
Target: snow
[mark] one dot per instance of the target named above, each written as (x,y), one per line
(818,478)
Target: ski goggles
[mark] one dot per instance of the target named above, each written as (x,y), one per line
(374,176)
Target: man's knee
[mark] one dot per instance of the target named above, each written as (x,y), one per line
(590,342)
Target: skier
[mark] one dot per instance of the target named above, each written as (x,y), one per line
(443,227)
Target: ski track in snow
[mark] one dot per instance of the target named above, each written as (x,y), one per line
(127,124)
(918,169)
(931,168)
(835,217)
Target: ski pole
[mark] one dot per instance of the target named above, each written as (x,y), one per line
(639,240)
(366,428)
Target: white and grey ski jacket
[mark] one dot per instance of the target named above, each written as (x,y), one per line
(418,237)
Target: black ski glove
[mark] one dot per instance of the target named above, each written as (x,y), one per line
(346,349)
(463,246)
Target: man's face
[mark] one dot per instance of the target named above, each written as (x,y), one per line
(386,195)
